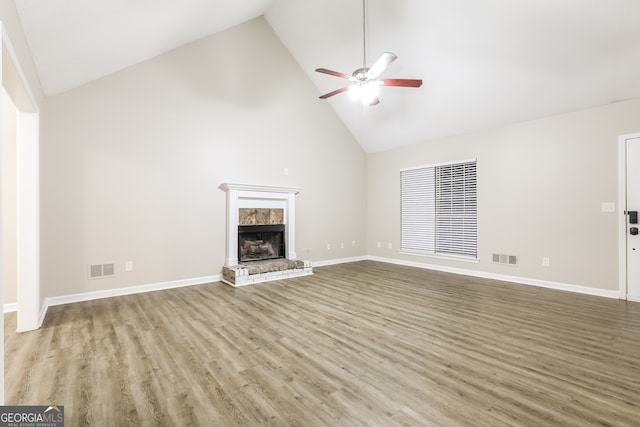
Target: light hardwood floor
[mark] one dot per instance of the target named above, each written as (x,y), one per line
(361,344)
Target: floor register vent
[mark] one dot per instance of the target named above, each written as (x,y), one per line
(98,271)
(505,259)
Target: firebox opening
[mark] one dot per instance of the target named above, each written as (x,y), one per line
(259,242)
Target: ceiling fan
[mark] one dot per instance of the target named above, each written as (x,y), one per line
(365,82)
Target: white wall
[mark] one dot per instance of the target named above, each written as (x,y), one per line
(131,163)
(9,201)
(540,187)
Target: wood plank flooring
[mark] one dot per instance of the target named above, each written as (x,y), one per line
(360,344)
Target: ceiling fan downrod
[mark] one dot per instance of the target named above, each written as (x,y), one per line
(364,34)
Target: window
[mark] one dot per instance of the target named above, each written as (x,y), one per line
(440,209)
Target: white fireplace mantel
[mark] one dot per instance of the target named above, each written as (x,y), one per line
(258,196)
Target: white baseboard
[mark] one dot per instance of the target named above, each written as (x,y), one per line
(43,313)
(633,298)
(10,307)
(88,296)
(505,278)
(339,261)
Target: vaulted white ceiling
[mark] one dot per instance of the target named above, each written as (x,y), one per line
(484,64)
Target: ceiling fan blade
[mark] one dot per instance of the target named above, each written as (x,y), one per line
(401,82)
(380,65)
(335,92)
(333,73)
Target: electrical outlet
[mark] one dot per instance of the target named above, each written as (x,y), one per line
(328,246)
(389,245)
(379,244)
(608,207)
(545,262)
(128,266)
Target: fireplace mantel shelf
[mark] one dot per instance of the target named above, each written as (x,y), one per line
(226,186)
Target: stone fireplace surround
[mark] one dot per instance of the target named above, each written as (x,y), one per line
(241,196)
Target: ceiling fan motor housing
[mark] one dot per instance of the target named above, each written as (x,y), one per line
(360,75)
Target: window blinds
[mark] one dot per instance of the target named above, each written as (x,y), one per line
(418,210)
(439,209)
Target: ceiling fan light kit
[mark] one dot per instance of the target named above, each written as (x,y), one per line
(365,84)
(365,92)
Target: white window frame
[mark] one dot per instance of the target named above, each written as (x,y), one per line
(420,220)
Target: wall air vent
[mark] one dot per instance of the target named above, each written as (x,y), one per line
(505,259)
(98,271)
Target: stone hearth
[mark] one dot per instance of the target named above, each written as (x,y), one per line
(263,271)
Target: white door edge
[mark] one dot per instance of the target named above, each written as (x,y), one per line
(622,220)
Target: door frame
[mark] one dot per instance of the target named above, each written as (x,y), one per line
(622,218)
(29,316)
(28,193)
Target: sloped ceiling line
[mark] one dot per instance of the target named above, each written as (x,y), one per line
(484,64)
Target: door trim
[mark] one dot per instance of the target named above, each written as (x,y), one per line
(622,204)
(28,187)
